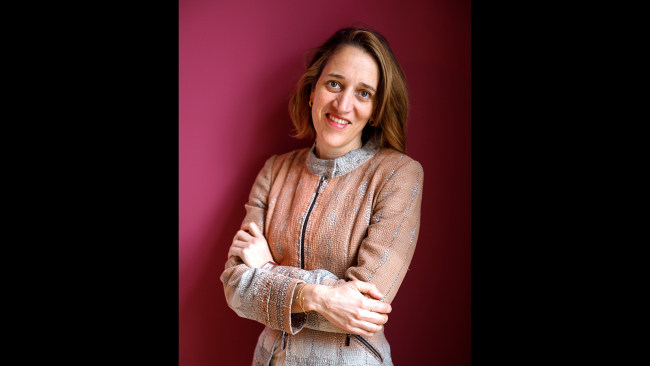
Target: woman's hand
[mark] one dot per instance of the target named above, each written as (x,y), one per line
(252,248)
(346,306)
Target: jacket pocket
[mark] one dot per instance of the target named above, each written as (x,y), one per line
(373,351)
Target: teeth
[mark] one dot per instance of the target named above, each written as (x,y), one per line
(339,121)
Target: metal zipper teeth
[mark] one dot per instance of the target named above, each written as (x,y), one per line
(366,344)
(304,225)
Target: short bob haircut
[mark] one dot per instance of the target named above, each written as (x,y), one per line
(391,103)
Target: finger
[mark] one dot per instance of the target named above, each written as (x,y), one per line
(240,244)
(242,235)
(246,226)
(373,317)
(377,306)
(369,288)
(360,329)
(259,231)
(369,328)
(254,229)
(234,251)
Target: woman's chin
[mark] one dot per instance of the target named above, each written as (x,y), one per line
(331,142)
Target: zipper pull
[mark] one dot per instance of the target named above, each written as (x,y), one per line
(347,340)
(284,338)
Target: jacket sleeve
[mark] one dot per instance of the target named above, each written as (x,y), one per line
(255,293)
(387,250)
(318,277)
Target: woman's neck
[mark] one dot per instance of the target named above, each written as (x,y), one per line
(331,153)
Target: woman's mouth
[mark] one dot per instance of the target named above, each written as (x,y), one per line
(337,122)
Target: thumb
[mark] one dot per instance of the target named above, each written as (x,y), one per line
(255,230)
(370,289)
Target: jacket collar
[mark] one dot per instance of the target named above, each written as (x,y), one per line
(344,164)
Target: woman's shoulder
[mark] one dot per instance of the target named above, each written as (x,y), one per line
(391,159)
(284,161)
(396,170)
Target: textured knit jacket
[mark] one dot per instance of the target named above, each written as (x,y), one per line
(355,217)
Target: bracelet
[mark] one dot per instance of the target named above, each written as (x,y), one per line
(302,303)
(300,289)
(303,308)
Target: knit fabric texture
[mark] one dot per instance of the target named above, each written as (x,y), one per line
(363,225)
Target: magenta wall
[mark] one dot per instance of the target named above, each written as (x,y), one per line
(238,61)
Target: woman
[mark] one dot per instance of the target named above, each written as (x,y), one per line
(330,231)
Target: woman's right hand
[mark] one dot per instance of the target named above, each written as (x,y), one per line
(346,306)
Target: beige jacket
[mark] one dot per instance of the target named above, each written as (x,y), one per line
(355,217)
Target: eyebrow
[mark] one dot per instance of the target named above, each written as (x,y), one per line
(338,76)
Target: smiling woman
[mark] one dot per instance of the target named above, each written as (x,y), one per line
(330,231)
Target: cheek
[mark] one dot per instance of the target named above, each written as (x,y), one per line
(319,108)
(322,100)
(367,111)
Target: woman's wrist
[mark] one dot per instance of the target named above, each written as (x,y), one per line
(306,298)
(312,297)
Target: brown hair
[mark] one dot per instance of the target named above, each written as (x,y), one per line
(391,110)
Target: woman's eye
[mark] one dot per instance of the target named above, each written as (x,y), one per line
(364,94)
(333,84)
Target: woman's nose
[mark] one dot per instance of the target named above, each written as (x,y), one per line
(345,101)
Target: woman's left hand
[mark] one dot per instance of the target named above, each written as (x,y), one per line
(253,249)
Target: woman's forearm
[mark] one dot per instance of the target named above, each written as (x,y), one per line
(344,305)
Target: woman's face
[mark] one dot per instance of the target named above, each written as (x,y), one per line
(343,101)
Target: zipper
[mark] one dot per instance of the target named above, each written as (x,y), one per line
(304,225)
(284,340)
(366,344)
(302,247)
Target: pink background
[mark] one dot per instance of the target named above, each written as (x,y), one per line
(238,61)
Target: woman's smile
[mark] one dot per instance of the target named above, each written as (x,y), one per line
(338,123)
